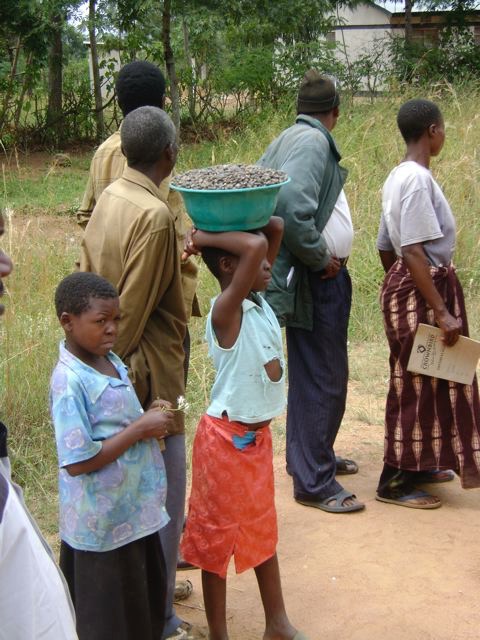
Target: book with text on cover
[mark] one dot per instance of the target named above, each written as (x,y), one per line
(431,357)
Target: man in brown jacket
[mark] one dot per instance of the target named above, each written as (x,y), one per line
(131,240)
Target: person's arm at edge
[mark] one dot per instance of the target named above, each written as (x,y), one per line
(417,263)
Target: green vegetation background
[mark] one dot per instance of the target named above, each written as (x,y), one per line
(40,199)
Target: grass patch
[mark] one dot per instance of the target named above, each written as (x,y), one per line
(36,184)
(43,250)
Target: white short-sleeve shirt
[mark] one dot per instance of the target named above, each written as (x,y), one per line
(414,210)
(338,232)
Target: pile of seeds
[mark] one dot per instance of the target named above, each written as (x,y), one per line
(229,176)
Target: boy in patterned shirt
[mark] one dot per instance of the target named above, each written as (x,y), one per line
(112,481)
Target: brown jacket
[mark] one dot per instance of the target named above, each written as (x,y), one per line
(131,241)
(107,166)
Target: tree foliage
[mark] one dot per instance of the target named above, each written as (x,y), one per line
(221,59)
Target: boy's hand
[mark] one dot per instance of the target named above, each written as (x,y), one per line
(189,248)
(155,423)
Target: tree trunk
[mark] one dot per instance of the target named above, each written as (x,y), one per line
(170,64)
(97,89)
(25,87)
(11,81)
(55,86)
(191,85)
(408,22)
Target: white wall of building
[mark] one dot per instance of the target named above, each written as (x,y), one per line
(104,58)
(358,30)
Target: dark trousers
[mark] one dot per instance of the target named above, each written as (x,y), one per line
(317,388)
(175,467)
(118,594)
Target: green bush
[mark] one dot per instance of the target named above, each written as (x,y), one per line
(455,59)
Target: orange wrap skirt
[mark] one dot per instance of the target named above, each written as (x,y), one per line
(231,507)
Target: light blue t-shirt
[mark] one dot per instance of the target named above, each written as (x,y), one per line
(242,388)
(123,501)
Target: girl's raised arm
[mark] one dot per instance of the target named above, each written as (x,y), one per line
(238,269)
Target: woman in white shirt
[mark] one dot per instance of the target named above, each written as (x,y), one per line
(431,425)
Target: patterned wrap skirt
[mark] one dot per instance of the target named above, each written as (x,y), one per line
(231,507)
(429,423)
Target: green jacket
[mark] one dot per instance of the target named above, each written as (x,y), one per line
(307,152)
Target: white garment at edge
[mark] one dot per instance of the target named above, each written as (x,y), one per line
(338,232)
(34,600)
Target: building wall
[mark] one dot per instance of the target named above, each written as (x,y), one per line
(359,29)
(364,14)
(107,57)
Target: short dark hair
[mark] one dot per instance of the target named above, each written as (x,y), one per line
(415,116)
(74,292)
(139,84)
(145,134)
(211,257)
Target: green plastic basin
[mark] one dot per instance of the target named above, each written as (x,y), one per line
(231,209)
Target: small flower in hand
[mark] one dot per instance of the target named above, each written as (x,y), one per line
(182,405)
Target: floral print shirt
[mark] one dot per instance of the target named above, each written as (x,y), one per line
(123,501)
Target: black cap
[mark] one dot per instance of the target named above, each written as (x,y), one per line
(317,94)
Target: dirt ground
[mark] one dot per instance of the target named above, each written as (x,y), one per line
(387,573)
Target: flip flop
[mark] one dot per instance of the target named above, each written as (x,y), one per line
(183,590)
(178,634)
(403,501)
(300,636)
(193,632)
(434,477)
(345,467)
(338,506)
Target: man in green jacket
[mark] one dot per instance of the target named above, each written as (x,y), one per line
(311,293)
